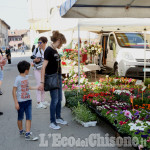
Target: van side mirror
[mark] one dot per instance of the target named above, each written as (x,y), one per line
(111,46)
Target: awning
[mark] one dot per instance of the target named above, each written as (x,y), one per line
(112,24)
(105,9)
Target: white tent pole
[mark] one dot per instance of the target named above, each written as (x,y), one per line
(79,56)
(144,55)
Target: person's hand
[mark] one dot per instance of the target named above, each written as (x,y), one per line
(17,106)
(41,87)
(37,60)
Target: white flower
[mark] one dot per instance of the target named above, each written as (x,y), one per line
(81,80)
(92,48)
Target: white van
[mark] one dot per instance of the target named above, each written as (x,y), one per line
(124,52)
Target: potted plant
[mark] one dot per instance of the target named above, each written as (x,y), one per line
(84,116)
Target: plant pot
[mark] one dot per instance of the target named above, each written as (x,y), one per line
(87,124)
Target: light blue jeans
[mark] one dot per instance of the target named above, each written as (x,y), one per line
(55,107)
(1,75)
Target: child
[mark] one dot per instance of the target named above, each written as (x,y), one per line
(23,102)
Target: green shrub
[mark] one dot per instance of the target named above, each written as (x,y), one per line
(73,97)
(147,81)
(83,113)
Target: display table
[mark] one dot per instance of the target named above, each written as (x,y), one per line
(86,68)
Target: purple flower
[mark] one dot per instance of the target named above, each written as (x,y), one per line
(147,116)
(121,112)
(115,113)
(115,121)
(148,131)
(137,132)
(126,120)
(137,113)
(144,136)
(115,110)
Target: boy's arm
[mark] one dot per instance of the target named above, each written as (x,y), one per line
(15,98)
(33,88)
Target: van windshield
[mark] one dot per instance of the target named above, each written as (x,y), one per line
(131,40)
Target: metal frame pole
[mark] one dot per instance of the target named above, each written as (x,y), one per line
(79,56)
(144,54)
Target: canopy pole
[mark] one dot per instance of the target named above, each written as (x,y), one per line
(144,54)
(79,56)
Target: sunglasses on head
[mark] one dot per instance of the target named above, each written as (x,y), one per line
(39,42)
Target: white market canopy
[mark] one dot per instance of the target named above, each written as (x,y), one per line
(112,24)
(105,9)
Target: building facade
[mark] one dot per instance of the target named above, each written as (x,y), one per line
(17,38)
(40,15)
(4,27)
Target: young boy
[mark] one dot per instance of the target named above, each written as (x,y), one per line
(23,102)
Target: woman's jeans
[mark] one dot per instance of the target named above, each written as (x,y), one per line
(56,98)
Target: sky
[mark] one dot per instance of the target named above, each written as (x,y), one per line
(14,13)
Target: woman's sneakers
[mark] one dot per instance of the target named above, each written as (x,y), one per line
(41,105)
(30,137)
(1,113)
(61,121)
(54,126)
(46,103)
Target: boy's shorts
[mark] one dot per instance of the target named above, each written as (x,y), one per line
(1,75)
(27,108)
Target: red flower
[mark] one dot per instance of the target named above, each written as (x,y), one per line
(63,63)
(122,122)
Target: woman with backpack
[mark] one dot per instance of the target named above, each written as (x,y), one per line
(38,58)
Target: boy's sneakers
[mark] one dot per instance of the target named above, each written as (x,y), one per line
(1,113)
(54,126)
(30,137)
(41,105)
(45,103)
(22,133)
(61,121)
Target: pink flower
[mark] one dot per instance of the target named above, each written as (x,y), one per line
(66,86)
(107,112)
(127,114)
(130,80)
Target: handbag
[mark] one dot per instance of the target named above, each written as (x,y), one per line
(52,81)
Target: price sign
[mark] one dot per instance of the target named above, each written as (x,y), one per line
(138,82)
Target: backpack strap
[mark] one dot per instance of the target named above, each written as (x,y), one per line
(36,50)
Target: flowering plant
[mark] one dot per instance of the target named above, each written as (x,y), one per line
(94,49)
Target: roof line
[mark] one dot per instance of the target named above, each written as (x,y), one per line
(124,6)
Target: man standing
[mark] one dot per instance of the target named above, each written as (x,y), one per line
(8,55)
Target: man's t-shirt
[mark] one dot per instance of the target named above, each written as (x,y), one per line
(54,61)
(23,93)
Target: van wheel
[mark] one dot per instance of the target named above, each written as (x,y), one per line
(116,70)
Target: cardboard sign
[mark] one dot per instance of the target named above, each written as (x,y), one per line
(115,80)
(143,88)
(138,82)
(107,76)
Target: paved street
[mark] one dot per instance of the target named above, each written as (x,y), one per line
(9,137)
